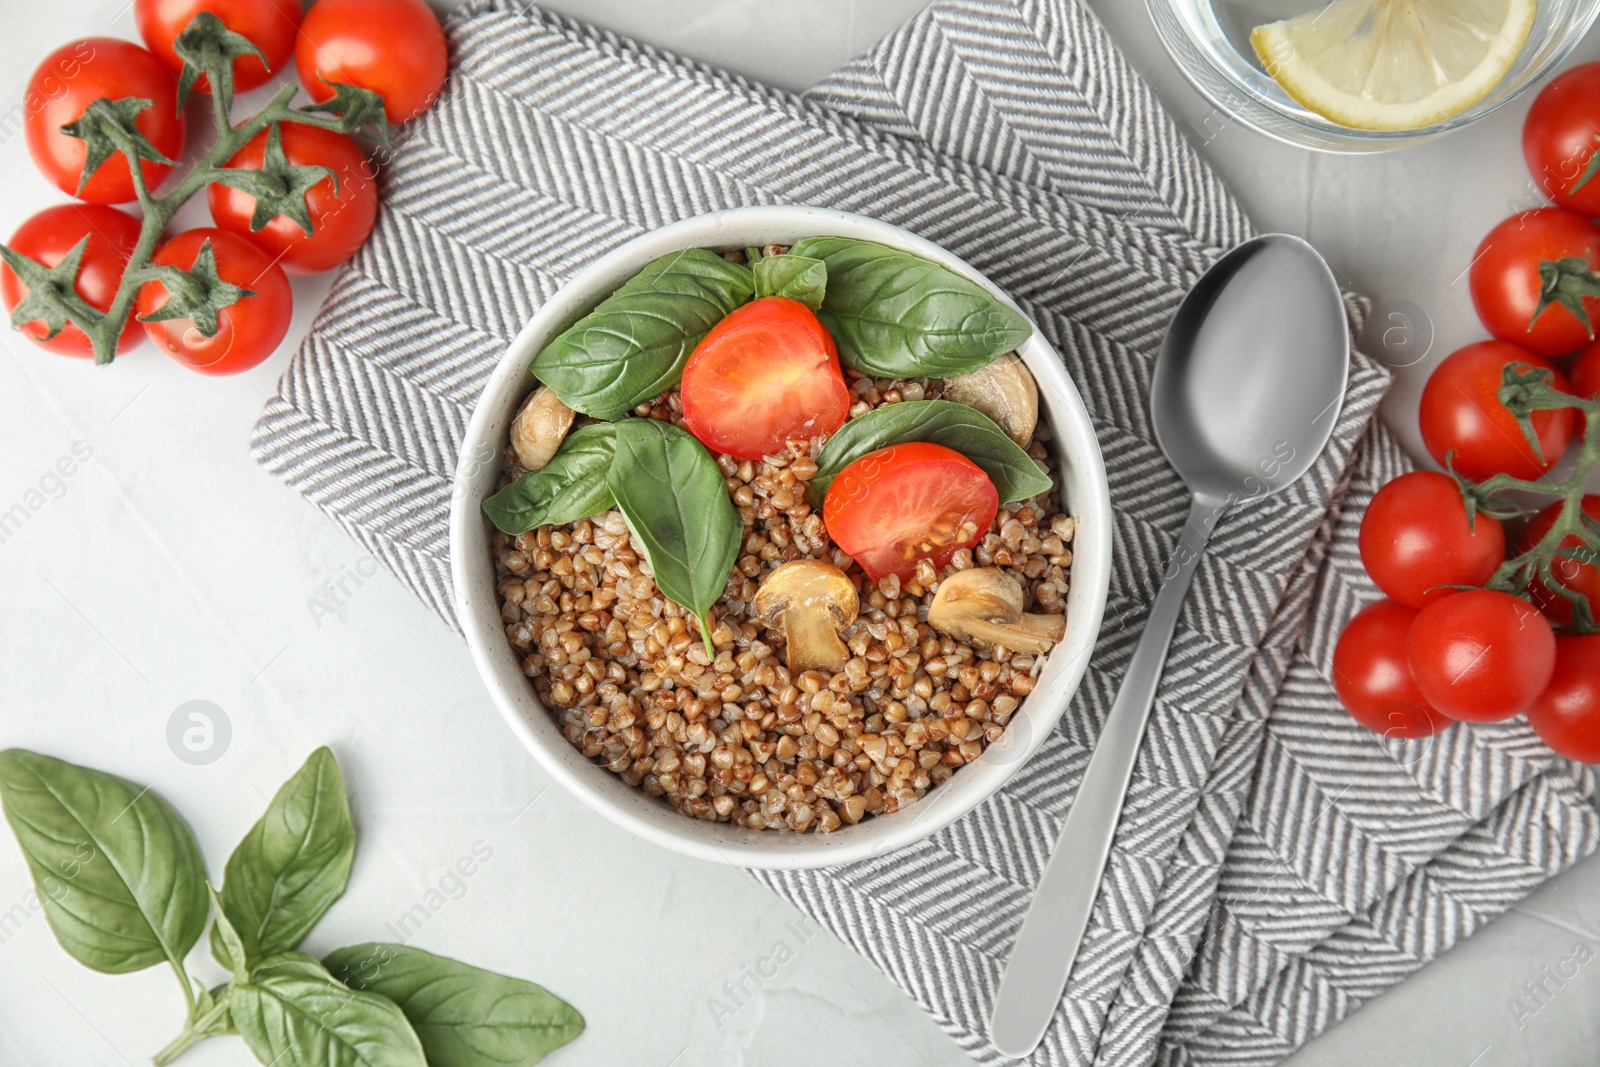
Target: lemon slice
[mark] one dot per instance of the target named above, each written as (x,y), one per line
(1394,64)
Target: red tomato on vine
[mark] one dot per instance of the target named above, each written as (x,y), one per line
(1461,412)
(247,330)
(396,48)
(270,25)
(75,76)
(1516,263)
(340,209)
(48,237)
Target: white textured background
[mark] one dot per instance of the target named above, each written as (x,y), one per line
(171,568)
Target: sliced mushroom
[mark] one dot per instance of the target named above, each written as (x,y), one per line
(541,423)
(985,604)
(809,602)
(1004,391)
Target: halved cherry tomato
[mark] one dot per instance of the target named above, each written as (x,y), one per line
(1506,285)
(74,76)
(340,220)
(907,502)
(1481,655)
(767,374)
(1560,136)
(396,48)
(1373,677)
(47,237)
(1581,578)
(270,25)
(1461,411)
(248,330)
(1416,544)
(1566,716)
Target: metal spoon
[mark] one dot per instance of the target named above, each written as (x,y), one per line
(1247,387)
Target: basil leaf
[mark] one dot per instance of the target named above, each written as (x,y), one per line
(675,501)
(463,1015)
(570,487)
(943,422)
(796,277)
(634,345)
(232,954)
(897,315)
(291,866)
(116,869)
(292,1011)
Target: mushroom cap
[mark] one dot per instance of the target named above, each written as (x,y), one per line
(985,604)
(538,429)
(806,584)
(1005,391)
(983,592)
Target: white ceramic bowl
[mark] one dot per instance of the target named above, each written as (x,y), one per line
(1079,468)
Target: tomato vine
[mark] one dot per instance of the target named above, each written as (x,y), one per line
(1525,390)
(207,47)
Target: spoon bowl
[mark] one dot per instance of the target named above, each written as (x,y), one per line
(1246,390)
(1250,376)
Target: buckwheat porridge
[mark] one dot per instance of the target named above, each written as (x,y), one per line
(759,734)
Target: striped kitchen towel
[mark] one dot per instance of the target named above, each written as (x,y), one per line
(1256,892)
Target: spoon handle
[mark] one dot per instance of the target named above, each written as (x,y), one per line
(1051,933)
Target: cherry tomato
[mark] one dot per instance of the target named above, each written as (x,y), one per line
(340,220)
(1481,655)
(1415,541)
(47,237)
(1581,578)
(1373,678)
(270,25)
(393,47)
(1505,280)
(907,502)
(1566,716)
(75,76)
(248,330)
(1585,374)
(767,374)
(1560,136)
(1461,410)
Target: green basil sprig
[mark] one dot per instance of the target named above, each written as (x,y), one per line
(570,487)
(796,277)
(124,887)
(634,344)
(676,504)
(896,315)
(465,1016)
(117,871)
(291,866)
(943,422)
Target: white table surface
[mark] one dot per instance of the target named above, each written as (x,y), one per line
(171,568)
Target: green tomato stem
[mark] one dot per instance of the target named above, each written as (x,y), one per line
(1537,561)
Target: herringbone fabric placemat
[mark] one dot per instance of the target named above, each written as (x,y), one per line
(1356,860)
(1016,135)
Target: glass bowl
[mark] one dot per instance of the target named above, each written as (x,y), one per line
(1209,40)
